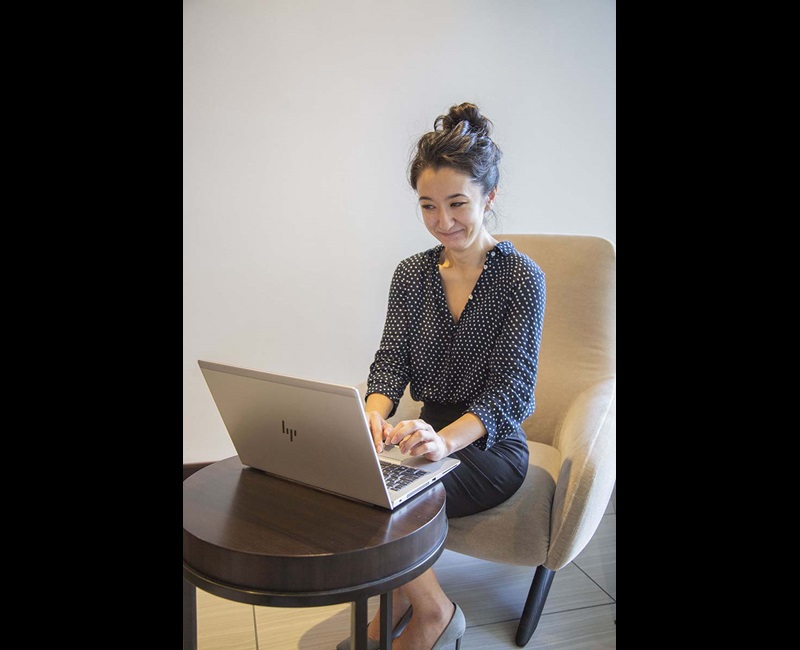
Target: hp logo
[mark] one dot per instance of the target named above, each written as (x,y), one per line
(290,432)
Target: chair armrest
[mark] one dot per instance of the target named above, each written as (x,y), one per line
(587,441)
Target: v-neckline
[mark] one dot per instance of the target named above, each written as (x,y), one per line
(457,319)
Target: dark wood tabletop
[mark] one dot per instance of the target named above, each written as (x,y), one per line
(255,538)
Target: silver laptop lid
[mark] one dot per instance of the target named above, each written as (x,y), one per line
(311,432)
(307,431)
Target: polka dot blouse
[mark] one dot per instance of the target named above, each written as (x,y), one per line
(488,360)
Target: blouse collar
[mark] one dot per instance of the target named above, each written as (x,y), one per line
(503,247)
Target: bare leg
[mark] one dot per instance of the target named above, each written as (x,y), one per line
(400,605)
(432,612)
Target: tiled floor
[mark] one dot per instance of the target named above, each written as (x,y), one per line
(580,613)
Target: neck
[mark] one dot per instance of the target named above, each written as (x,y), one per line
(472,257)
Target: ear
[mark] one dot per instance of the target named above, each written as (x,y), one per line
(490,198)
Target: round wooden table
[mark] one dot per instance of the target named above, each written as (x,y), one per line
(254,538)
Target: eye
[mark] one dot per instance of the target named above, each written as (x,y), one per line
(458,204)
(427,206)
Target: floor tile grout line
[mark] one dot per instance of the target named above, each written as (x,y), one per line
(579,609)
(554,613)
(597,584)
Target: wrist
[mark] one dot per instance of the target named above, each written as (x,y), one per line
(448,444)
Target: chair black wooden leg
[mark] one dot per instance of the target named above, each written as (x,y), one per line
(540,587)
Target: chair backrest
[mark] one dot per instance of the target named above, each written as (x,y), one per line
(579,334)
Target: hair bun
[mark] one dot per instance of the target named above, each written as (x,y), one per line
(470,116)
(459,140)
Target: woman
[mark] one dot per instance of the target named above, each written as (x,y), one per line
(463,327)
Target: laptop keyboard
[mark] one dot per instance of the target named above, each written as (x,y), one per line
(398,476)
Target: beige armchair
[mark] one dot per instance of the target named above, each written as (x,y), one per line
(572,432)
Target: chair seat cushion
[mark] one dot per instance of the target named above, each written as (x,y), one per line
(518,530)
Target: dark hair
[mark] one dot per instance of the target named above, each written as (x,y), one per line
(459,140)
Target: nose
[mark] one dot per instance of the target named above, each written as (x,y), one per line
(445,219)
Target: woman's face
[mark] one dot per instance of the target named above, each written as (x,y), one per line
(452,206)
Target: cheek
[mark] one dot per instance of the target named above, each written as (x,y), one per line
(429,219)
(476,216)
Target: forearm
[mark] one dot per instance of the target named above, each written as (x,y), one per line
(463,432)
(379,403)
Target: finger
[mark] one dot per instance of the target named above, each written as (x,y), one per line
(404,428)
(378,442)
(413,442)
(376,429)
(408,443)
(416,445)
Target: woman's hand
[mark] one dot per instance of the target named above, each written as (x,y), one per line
(417,438)
(381,430)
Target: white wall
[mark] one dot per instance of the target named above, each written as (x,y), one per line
(299,118)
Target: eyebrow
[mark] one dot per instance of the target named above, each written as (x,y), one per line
(452,196)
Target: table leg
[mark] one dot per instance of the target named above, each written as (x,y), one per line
(359,623)
(189,616)
(386,621)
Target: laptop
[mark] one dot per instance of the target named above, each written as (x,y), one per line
(314,433)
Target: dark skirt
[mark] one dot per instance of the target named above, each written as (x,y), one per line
(485,478)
